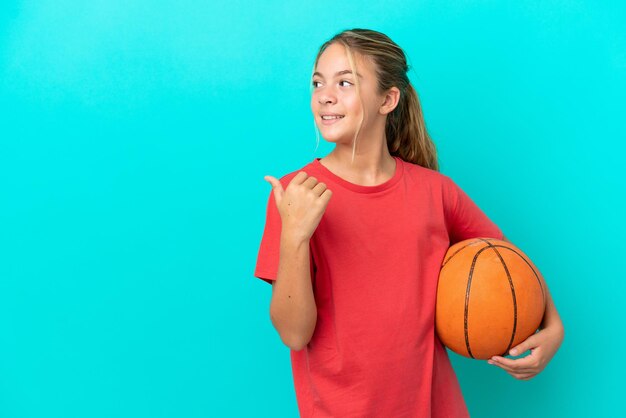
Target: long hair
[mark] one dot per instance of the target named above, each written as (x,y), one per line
(405,128)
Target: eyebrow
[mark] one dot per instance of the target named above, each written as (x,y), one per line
(337,74)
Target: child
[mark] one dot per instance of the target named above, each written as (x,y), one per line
(354,241)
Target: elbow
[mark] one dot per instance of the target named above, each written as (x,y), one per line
(298,342)
(298,345)
(294,340)
(562,332)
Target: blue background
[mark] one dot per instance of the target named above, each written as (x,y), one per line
(134,137)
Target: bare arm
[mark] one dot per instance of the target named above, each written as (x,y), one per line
(301,206)
(551,317)
(292,309)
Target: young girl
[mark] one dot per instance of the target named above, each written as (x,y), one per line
(354,241)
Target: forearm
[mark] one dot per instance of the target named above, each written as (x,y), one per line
(292,308)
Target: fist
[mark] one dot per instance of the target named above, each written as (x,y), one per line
(302,204)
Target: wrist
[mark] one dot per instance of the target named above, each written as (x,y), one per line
(293,237)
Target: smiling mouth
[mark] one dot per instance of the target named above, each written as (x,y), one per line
(331,121)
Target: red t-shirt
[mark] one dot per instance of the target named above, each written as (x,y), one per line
(375,260)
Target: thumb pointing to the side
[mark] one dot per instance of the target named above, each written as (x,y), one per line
(277,187)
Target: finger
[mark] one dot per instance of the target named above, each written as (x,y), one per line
(512,370)
(299,178)
(277,187)
(310,182)
(516,368)
(326,197)
(272,180)
(520,363)
(528,344)
(525,376)
(319,188)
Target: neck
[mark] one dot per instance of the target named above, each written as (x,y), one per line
(370,167)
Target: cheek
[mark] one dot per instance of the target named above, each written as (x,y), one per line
(353,103)
(314,104)
(370,108)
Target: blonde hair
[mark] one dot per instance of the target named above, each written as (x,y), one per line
(405,128)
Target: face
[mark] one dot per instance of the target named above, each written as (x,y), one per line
(337,94)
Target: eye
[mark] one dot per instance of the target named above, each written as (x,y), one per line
(313,83)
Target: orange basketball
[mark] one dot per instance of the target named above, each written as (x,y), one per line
(490,297)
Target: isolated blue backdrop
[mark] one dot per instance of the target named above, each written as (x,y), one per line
(134,137)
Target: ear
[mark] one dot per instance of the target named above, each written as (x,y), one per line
(392,97)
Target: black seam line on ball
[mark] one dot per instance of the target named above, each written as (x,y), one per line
(466,307)
(459,250)
(543,296)
(508,275)
(513,290)
(467,296)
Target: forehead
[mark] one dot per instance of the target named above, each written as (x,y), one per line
(335,58)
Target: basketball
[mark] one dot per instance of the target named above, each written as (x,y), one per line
(490,297)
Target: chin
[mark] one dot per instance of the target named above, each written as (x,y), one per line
(329,136)
(336,141)
(336,138)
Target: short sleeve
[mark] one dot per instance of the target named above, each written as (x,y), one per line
(269,251)
(464,219)
(267,259)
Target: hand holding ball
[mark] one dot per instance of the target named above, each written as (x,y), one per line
(490,297)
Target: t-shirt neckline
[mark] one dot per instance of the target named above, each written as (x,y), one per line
(358,187)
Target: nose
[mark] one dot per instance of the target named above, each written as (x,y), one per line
(325,97)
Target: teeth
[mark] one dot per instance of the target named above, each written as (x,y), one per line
(331,117)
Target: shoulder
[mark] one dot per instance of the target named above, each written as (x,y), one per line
(425,174)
